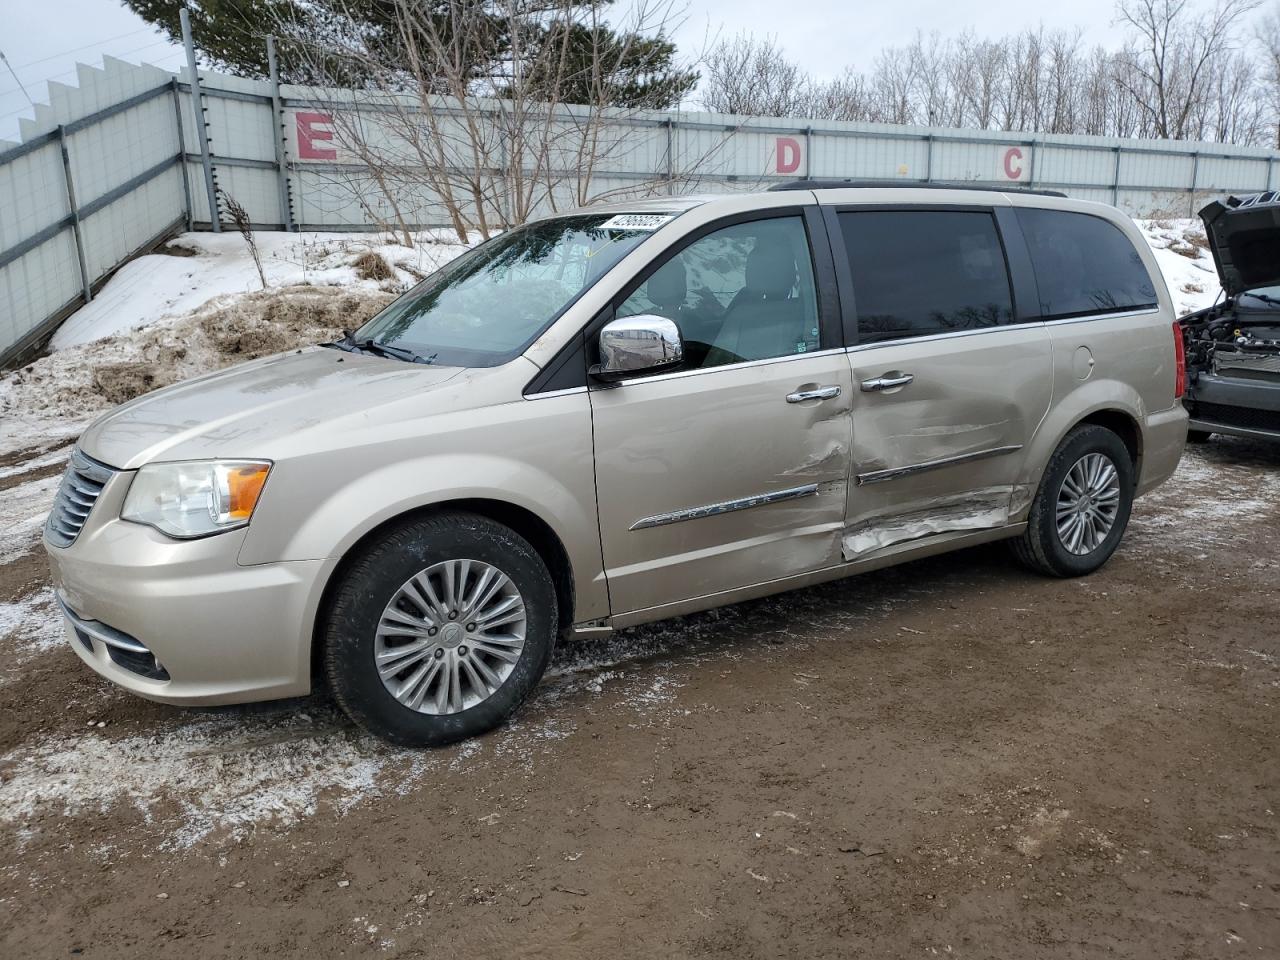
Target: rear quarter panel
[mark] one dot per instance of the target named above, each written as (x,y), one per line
(1123,363)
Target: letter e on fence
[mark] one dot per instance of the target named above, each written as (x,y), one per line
(1013,168)
(788,154)
(310,130)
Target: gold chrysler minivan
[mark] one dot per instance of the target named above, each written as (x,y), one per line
(617,415)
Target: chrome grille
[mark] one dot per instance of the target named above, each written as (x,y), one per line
(81,485)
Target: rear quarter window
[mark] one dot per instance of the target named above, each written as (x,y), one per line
(1084,265)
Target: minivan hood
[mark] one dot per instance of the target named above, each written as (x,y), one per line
(1244,238)
(239,411)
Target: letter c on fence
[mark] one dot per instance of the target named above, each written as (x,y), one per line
(309,133)
(788,154)
(1012,168)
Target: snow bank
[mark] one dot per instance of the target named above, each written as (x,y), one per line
(60,393)
(1182,252)
(199,267)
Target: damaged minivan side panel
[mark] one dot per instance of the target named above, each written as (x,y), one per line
(950,383)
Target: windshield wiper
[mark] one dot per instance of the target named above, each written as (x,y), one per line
(370,345)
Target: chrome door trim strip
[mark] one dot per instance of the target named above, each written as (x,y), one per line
(745,364)
(879,476)
(949,335)
(1001,328)
(726,506)
(1105,315)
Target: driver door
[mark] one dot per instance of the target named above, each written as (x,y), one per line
(731,470)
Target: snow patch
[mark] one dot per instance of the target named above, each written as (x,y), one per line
(1182,253)
(23,509)
(152,288)
(32,625)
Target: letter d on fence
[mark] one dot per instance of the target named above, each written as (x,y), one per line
(787,151)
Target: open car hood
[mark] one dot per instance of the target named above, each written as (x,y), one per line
(1244,238)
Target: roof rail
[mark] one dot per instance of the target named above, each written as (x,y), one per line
(932,185)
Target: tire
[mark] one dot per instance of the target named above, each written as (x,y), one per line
(1042,547)
(380,608)
(1198,436)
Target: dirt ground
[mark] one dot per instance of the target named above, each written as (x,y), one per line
(951,758)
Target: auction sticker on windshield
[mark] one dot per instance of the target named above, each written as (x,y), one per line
(636,221)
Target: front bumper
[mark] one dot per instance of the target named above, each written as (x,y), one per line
(1238,406)
(220,632)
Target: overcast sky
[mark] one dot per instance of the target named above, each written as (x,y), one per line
(44,40)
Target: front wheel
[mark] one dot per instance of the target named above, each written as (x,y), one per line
(439,630)
(1082,507)
(1198,436)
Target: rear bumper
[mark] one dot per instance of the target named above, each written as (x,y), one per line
(1235,405)
(207,630)
(1164,436)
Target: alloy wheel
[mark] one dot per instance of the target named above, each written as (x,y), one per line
(450,636)
(1088,503)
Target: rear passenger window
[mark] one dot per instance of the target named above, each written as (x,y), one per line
(1084,264)
(921,272)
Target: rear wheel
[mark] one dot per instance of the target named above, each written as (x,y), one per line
(439,630)
(1082,507)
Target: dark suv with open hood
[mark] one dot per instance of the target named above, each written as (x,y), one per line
(1233,348)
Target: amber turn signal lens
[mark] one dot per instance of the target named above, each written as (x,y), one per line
(244,486)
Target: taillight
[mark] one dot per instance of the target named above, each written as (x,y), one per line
(1179,362)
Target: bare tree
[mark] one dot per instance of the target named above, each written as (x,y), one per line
(1177,50)
(1269,40)
(488,142)
(751,76)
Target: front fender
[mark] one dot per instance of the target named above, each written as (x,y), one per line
(539,459)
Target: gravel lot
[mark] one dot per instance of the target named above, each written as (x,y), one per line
(951,758)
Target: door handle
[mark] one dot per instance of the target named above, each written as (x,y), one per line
(818,393)
(887,382)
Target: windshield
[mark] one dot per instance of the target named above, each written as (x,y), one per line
(487,306)
(1270,295)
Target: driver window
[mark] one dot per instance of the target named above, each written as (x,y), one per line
(745,292)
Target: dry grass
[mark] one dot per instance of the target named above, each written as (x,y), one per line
(80,380)
(372,266)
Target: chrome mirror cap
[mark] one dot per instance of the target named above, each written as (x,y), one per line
(630,345)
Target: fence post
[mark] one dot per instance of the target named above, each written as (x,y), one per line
(75,213)
(928,159)
(1191,195)
(277,127)
(197,111)
(1115,180)
(808,153)
(671,126)
(1031,165)
(182,152)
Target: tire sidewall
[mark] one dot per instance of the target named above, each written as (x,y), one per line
(372,581)
(1081,442)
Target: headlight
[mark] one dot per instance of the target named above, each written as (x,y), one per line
(196,498)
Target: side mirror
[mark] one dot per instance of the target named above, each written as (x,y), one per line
(630,345)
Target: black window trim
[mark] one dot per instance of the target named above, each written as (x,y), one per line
(1012,247)
(1134,309)
(567,370)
